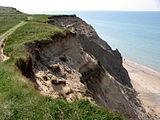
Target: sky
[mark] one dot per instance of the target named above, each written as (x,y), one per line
(35,6)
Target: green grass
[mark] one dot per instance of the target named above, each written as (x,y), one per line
(18,99)
(10,17)
(8,11)
(8,21)
(39,18)
(29,32)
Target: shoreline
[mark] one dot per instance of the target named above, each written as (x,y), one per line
(142,67)
(146,82)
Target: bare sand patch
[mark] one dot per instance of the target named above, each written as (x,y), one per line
(147,83)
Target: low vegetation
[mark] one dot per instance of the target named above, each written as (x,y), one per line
(18,99)
(10,17)
(29,32)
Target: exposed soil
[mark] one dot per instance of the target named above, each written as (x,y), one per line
(63,70)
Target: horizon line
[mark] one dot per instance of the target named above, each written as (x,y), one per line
(45,12)
(35,11)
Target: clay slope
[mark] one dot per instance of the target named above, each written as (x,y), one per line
(60,68)
(94,45)
(56,66)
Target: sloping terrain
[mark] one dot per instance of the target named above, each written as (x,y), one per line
(94,45)
(8,11)
(62,69)
(111,89)
(28,55)
(65,60)
(4,36)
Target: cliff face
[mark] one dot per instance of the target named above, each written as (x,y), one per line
(56,64)
(80,65)
(60,68)
(94,45)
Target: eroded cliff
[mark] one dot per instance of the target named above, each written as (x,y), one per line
(56,66)
(60,68)
(94,45)
(80,65)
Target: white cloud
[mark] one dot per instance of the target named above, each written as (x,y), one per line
(70,5)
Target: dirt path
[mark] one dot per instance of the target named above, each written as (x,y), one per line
(4,36)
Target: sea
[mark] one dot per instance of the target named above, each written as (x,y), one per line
(135,34)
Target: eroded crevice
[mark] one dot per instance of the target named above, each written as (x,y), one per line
(3,56)
(86,76)
(26,68)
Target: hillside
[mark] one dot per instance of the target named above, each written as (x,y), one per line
(18,98)
(57,67)
(8,11)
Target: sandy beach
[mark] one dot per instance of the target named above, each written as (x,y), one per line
(147,83)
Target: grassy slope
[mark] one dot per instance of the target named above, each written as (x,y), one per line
(29,32)
(18,100)
(10,17)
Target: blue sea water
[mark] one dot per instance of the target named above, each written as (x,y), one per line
(135,34)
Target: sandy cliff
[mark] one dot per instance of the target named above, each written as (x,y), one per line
(93,44)
(81,65)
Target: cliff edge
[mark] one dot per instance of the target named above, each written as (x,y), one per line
(80,65)
(94,45)
(108,81)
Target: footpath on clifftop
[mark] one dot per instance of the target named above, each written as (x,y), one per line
(4,36)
